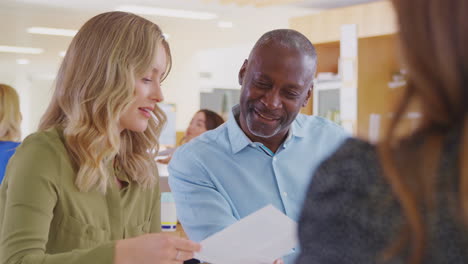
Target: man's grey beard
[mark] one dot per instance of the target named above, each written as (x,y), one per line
(259,134)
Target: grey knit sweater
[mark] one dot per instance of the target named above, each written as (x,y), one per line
(350,215)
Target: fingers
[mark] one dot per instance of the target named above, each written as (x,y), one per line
(186,245)
(183,255)
(278,261)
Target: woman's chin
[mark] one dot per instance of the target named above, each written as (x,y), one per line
(138,129)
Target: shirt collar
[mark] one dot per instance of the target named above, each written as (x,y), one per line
(237,137)
(297,127)
(239,140)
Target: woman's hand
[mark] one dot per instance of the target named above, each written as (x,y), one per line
(278,261)
(154,248)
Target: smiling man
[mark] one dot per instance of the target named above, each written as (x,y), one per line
(266,152)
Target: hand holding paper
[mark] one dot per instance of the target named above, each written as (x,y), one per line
(259,238)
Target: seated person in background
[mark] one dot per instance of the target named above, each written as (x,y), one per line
(84,188)
(202,121)
(257,157)
(405,199)
(10,121)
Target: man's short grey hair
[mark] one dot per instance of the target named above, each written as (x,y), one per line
(290,39)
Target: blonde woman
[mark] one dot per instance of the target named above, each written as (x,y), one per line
(10,120)
(84,189)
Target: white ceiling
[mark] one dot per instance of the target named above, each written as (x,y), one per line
(249,22)
(211,5)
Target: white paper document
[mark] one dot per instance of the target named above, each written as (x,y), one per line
(259,238)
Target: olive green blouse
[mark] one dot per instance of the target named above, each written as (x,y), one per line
(45,219)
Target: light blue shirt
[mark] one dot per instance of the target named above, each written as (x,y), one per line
(222,176)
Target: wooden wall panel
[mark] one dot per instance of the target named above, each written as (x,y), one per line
(373,19)
(377,60)
(327,57)
(179,136)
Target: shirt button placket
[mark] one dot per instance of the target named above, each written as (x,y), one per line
(283,194)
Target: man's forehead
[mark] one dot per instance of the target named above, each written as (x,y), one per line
(278,52)
(274,44)
(285,57)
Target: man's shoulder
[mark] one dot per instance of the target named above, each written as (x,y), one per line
(314,122)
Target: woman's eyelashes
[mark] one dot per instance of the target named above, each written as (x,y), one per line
(147,80)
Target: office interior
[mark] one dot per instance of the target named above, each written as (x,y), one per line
(359,70)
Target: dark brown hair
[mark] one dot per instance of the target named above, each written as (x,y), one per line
(212,119)
(433,36)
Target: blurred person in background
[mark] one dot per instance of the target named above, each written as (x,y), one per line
(10,121)
(405,199)
(202,121)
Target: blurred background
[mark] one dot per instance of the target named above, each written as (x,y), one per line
(209,43)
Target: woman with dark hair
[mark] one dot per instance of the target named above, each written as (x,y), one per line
(202,121)
(405,199)
(212,119)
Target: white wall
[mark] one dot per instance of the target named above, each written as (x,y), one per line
(220,52)
(185,84)
(197,46)
(223,64)
(34,97)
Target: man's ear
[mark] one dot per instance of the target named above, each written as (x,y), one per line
(309,93)
(242,72)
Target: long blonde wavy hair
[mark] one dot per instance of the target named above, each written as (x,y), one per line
(433,36)
(10,115)
(95,84)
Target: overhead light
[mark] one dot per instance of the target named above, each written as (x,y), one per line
(167,12)
(62,53)
(22,61)
(225,24)
(52,31)
(23,50)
